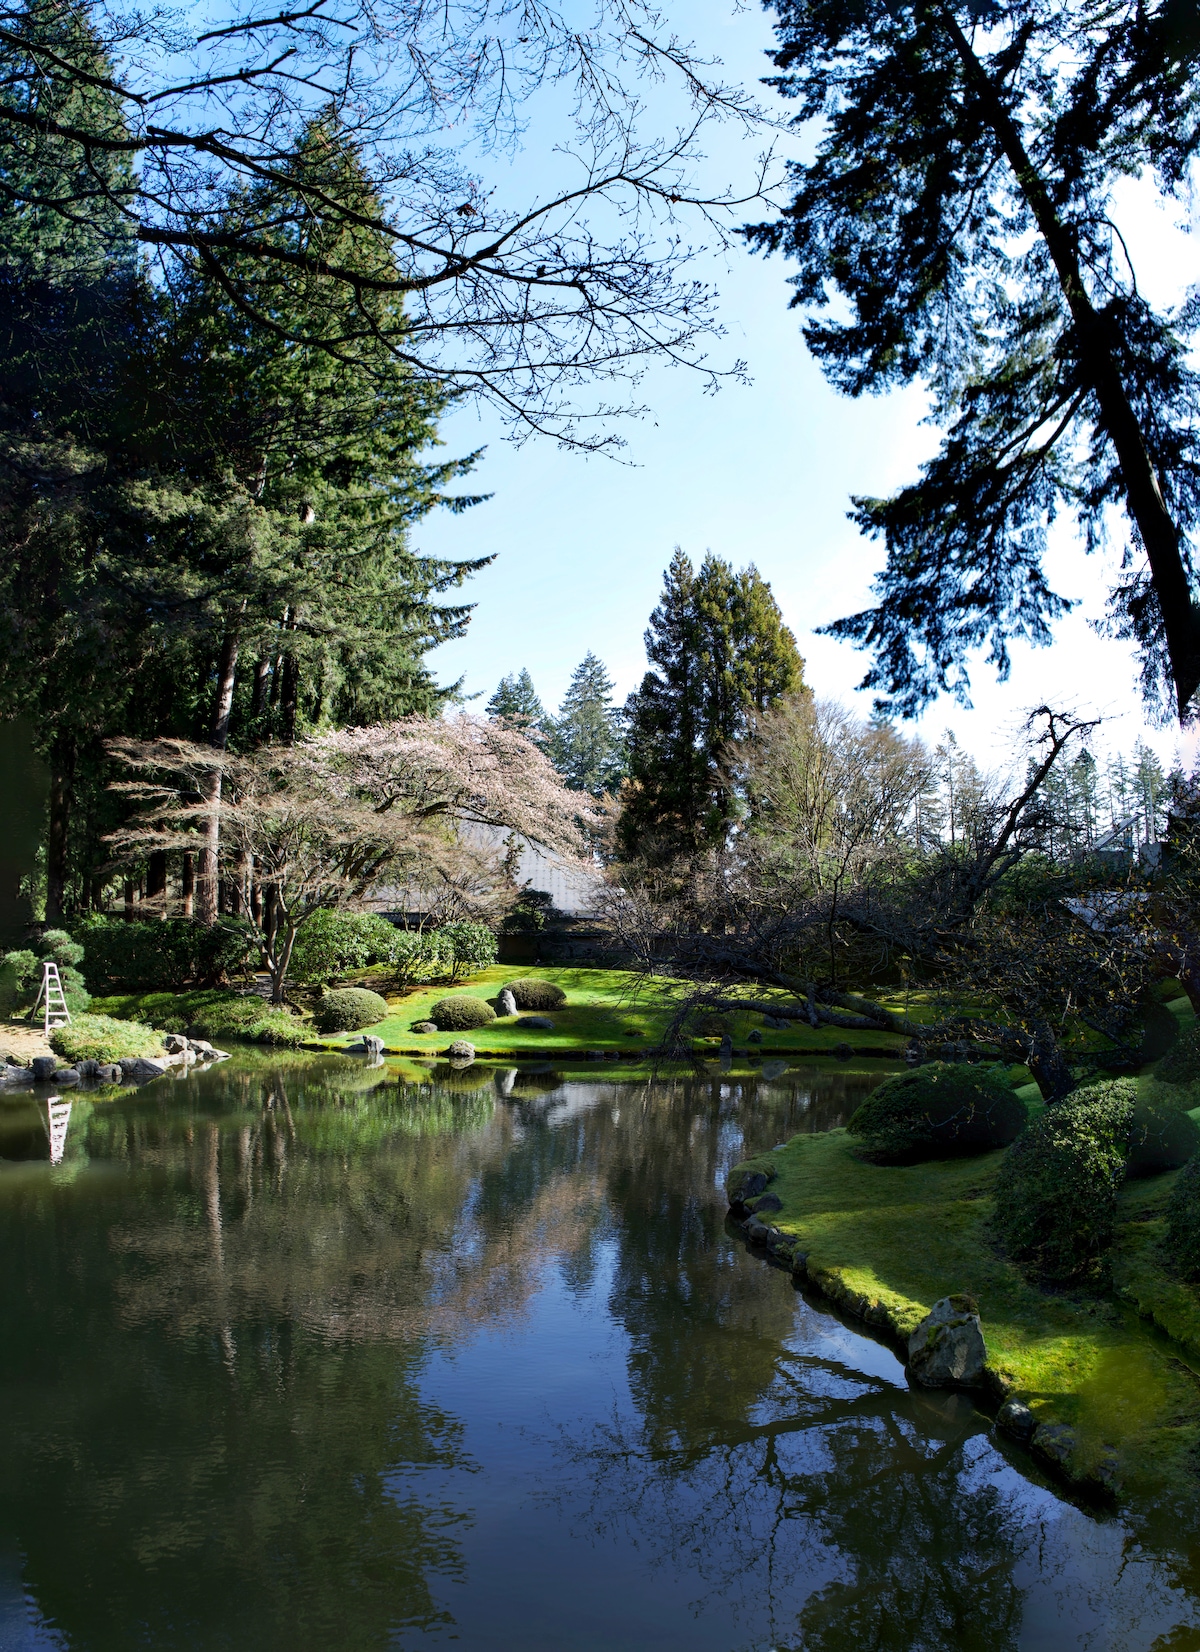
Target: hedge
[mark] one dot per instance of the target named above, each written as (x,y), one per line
(349,1009)
(937,1110)
(101,1038)
(461,1013)
(1056,1194)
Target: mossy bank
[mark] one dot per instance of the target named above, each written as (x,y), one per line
(1110,1374)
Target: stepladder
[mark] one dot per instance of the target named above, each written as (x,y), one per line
(51,1001)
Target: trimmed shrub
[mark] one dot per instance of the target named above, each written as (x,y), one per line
(101,1038)
(935,1111)
(1056,1195)
(536,995)
(1181,1242)
(1160,1138)
(166,955)
(349,1009)
(21,974)
(329,943)
(461,1014)
(1181,1064)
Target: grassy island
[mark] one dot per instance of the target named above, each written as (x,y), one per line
(1119,1365)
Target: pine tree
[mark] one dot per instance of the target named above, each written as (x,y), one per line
(586,746)
(516,702)
(719,653)
(1150,791)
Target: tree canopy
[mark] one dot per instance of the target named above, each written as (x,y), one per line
(719,653)
(961,201)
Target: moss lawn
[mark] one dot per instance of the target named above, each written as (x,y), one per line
(1120,1364)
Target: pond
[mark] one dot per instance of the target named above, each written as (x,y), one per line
(300,1354)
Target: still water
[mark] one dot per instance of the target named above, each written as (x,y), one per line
(296,1355)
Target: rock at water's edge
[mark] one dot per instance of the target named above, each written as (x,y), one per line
(947,1349)
(1015,1418)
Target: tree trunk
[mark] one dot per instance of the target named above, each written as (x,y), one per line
(258,698)
(156,881)
(62,775)
(130,908)
(1144,499)
(1048,1064)
(289,696)
(206,871)
(187,883)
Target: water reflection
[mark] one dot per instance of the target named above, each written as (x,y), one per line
(300,1355)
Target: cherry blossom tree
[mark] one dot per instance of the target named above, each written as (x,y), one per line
(320,824)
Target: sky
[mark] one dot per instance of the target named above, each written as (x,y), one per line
(762,472)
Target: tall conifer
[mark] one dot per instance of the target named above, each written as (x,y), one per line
(719,652)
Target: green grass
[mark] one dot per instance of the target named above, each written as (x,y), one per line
(888,1241)
(605,1010)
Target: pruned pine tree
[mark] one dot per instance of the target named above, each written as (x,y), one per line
(719,653)
(587,746)
(961,201)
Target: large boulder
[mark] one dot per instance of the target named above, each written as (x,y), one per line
(141,1069)
(462,1050)
(43,1068)
(506,1004)
(536,1023)
(947,1349)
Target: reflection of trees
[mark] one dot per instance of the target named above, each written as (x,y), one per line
(847,1514)
(217,1347)
(217,1335)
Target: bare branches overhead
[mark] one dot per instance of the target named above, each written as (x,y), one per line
(524,291)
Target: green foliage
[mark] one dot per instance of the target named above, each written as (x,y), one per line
(1181,1064)
(586,746)
(329,943)
(516,703)
(176,952)
(467,947)
(1161,1137)
(533,911)
(349,1009)
(101,1038)
(1181,1241)
(935,1111)
(21,974)
(934,139)
(461,1013)
(719,653)
(212,1014)
(532,994)
(1056,1195)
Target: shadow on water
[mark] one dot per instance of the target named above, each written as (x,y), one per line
(299,1355)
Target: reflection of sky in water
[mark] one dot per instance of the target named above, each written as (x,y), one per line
(297,1357)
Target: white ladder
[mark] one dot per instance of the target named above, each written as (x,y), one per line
(51,997)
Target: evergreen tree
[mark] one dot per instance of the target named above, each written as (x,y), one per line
(586,746)
(1150,792)
(960,199)
(719,653)
(516,703)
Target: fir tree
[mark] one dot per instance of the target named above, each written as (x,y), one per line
(719,653)
(516,703)
(586,747)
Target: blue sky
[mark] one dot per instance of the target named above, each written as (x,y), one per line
(762,472)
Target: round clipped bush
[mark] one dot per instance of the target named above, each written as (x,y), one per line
(1056,1194)
(1181,1242)
(936,1111)
(349,1009)
(103,1038)
(1161,1138)
(1181,1064)
(461,1013)
(536,995)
